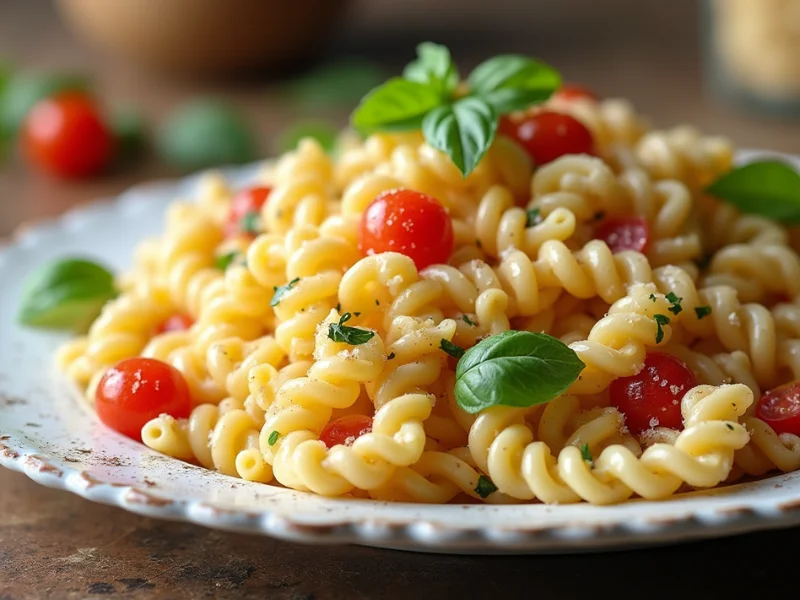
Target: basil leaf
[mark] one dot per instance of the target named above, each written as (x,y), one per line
(463,130)
(450,348)
(223,261)
(339,332)
(396,105)
(514,368)
(702,311)
(325,133)
(281,291)
(513,82)
(24,89)
(206,133)
(485,487)
(433,66)
(770,188)
(66,294)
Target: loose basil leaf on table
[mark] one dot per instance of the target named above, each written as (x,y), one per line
(515,368)
(770,188)
(323,132)
(434,66)
(24,89)
(66,294)
(512,82)
(397,105)
(464,130)
(206,133)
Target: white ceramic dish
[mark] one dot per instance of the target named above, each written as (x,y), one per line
(47,433)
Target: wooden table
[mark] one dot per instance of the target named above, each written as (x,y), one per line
(53,544)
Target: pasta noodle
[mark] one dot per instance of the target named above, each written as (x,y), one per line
(308,327)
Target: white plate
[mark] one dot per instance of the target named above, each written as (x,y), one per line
(48,433)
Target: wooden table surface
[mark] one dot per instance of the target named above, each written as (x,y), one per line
(53,544)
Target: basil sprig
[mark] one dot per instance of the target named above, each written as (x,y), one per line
(515,368)
(462,123)
(770,188)
(66,294)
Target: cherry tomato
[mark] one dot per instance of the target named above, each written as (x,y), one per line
(176,322)
(624,233)
(136,390)
(574,91)
(66,136)
(652,397)
(345,430)
(244,205)
(780,408)
(548,135)
(408,222)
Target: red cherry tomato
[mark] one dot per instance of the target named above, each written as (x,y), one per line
(780,408)
(574,91)
(243,205)
(652,397)
(136,390)
(408,222)
(176,322)
(548,135)
(345,430)
(624,233)
(66,136)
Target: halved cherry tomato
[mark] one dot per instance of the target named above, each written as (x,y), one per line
(345,430)
(652,397)
(245,206)
(548,135)
(574,91)
(136,390)
(780,408)
(408,222)
(66,136)
(624,233)
(176,322)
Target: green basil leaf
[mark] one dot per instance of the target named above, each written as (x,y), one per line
(702,311)
(223,261)
(485,487)
(396,105)
(206,133)
(770,188)
(281,291)
(433,66)
(66,294)
(324,132)
(24,89)
(339,332)
(463,130)
(515,368)
(512,82)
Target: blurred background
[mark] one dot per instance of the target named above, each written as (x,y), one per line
(262,72)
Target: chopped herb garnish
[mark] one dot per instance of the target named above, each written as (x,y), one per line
(586,454)
(250,222)
(485,487)
(391,356)
(653,297)
(729,426)
(675,303)
(702,311)
(451,348)
(281,291)
(223,261)
(468,321)
(273,437)
(354,336)
(532,217)
(660,320)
